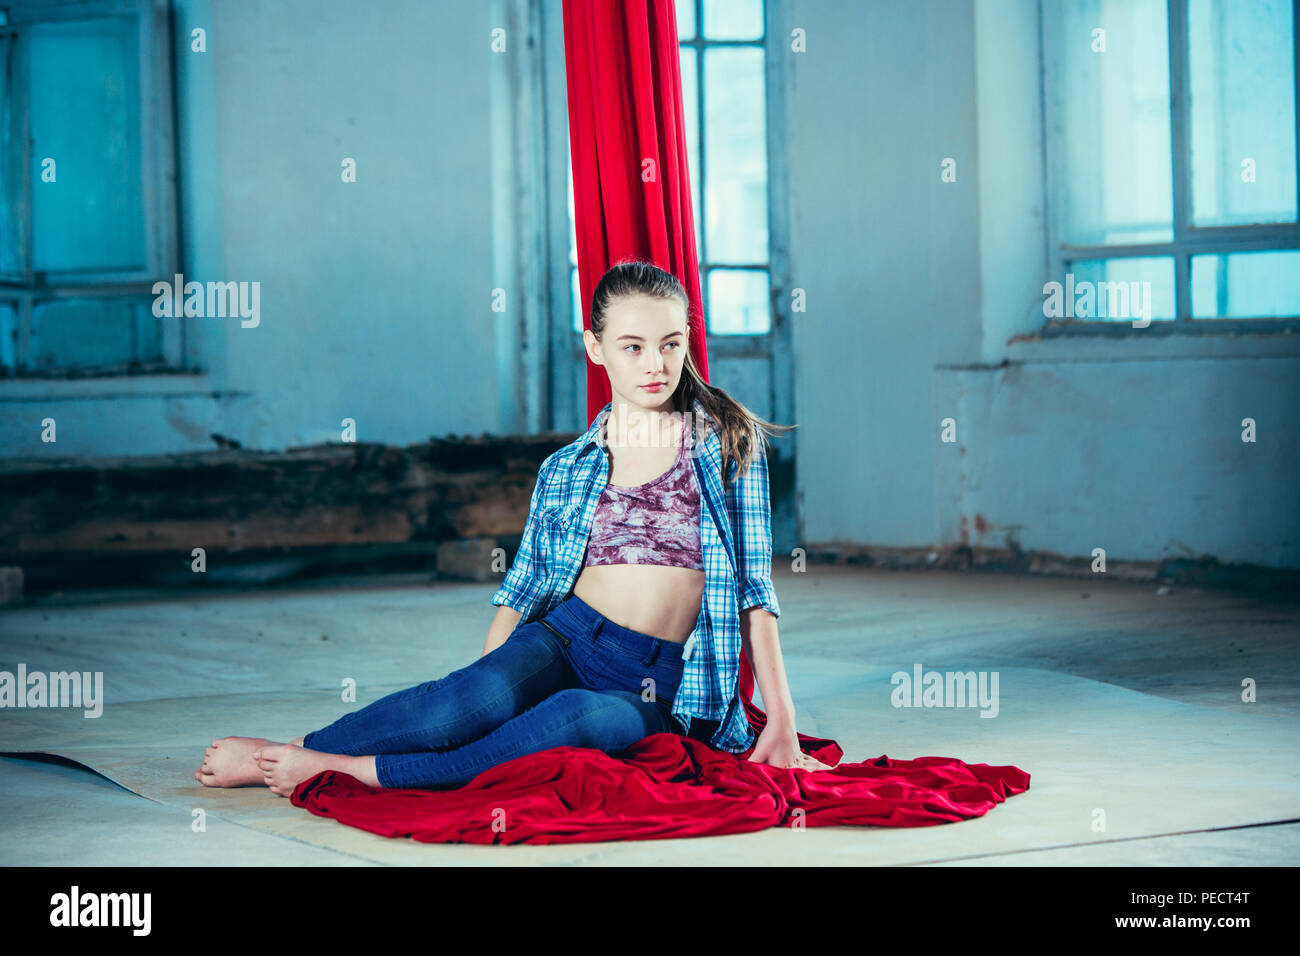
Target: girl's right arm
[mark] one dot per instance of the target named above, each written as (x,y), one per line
(519,579)
(502,625)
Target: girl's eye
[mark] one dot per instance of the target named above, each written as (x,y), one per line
(675,346)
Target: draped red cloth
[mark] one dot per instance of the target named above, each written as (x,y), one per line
(666,786)
(627,140)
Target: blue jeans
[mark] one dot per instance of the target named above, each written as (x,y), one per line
(571,679)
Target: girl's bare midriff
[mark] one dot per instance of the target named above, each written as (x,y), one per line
(657,600)
(654,599)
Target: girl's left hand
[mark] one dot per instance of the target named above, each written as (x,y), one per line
(779,747)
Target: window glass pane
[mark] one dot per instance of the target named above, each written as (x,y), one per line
(733,19)
(691,118)
(8,339)
(1115,137)
(11,161)
(738,302)
(85,115)
(735,215)
(1246,285)
(1242,64)
(686,19)
(115,331)
(1116,290)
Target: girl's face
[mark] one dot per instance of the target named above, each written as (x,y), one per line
(644,343)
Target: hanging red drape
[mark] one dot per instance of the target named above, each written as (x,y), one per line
(627,137)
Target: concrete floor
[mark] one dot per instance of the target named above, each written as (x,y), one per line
(1116,698)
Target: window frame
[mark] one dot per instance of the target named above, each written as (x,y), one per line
(158,191)
(743,342)
(1188,239)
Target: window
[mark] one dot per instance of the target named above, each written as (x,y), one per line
(86,202)
(723,80)
(1171,130)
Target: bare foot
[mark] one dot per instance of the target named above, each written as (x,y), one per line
(284,766)
(229,763)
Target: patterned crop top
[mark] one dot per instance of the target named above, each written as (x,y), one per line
(654,523)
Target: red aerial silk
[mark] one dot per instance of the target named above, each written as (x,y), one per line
(666,786)
(627,140)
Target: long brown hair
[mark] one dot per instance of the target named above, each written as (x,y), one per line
(742,433)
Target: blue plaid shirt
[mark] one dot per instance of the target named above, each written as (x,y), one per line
(736,540)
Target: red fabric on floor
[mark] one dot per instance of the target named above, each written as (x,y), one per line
(663,787)
(666,786)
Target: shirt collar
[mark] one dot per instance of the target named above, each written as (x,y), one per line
(592,437)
